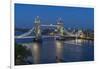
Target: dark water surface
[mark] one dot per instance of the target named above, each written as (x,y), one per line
(53,51)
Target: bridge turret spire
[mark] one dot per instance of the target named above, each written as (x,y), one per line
(37,19)
(59,21)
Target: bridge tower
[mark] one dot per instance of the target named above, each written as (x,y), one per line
(80,33)
(37,28)
(60,28)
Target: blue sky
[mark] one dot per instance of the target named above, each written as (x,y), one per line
(74,17)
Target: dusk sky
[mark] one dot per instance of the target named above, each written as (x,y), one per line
(73,17)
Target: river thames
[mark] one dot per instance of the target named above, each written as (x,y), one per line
(53,51)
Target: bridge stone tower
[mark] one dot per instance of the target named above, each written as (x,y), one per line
(37,28)
(60,28)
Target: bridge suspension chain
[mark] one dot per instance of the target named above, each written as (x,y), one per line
(70,34)
(25,34)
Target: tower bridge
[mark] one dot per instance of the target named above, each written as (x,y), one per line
(37,30)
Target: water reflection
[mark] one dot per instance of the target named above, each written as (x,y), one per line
(36,52)
(75,42)
(79,41)
(51,51)
(59,50)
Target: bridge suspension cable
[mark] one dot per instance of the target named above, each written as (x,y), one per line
(25,34)
(69,34)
